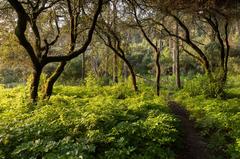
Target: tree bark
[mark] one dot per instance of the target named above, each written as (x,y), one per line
(174,56)
(158,72)
(115,58)
(124,72)
(177,73)
(106,71)
(51,80)
(227,53)
(133,76)
(83,66)
(238,31)
(115,69)
(35,84)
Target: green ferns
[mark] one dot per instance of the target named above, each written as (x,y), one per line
(83,122)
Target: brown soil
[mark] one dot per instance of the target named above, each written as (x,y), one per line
(193,145)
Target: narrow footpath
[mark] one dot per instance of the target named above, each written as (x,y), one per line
(193,145)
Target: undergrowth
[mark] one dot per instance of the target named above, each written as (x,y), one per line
(87,122)
(217,119)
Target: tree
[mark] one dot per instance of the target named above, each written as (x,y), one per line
(114,41)
(156,47)
(176,60)
(28,12)
(208,15)
(212,20)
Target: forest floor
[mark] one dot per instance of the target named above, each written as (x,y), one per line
(193,145)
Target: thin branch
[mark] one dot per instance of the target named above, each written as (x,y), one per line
(142,30)
(190,43)
(194,56)
(43,7)
(58,32)
(215,27)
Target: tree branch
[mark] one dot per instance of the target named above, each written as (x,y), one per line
(142,30)
(20,29)
(74,54)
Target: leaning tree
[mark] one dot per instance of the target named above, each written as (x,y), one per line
(109,30)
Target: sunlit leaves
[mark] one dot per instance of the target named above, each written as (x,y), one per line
(87,122)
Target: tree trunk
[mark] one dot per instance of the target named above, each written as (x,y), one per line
(51,80)
(172,49)
(106,71)
(227,53)
(133,76)
(238,30)
(177,69)
(35,84)
(125,71)
(115,69)
(115,60)
(134,82)
(83,66)
(158,72)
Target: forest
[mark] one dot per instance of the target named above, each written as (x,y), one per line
(119,79)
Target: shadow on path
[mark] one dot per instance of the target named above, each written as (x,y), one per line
(193,145)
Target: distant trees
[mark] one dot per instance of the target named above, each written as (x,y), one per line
(219,24)
(189,17)
(57,31)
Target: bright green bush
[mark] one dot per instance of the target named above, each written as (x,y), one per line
(84,122)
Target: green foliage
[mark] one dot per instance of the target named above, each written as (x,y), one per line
(218,119)
(203,85)
(14,63)
(141,52)
(166,61)
(86,122)
(11,75)
(234,65)
(168,83)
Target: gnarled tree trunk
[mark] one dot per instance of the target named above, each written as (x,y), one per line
(36,75)
(52,79)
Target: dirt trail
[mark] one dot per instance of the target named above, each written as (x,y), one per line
(194,147)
